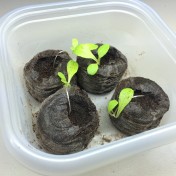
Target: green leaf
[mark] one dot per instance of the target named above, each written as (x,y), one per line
(92,69)
(62,77)
(91,46)
(111,105)
(74,43)
(72,68)
(125,97)
(102,50)
(84,51)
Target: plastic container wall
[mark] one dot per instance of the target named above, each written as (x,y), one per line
(131,26)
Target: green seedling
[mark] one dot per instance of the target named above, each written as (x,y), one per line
(85,51)
(72,68)
(116,107)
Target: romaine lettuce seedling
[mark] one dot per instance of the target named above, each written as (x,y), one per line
(85,51)
(72,68)
(116,107)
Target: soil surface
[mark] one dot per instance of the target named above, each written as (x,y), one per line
(146,109)
(46,67)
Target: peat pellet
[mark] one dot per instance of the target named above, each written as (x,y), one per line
(111,69)
(40,73)
(62,131)
(146,108)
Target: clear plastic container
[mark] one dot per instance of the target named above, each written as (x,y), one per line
(132,27)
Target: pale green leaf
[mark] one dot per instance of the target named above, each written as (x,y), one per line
(91,46)
(74,43)
(84,51)
(72,68)
(92,69)
(102,50)
(72,48)
(62,77)
(125,97)
(111,105)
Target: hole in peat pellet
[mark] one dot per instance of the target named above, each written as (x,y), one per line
(145,99)
(79,115)
(45,66)
(139,92)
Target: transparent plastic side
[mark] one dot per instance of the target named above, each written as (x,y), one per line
(17,139)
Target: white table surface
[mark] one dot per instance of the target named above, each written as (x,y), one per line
(156,162)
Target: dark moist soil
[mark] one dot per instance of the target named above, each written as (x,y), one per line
(46,67)
(64,133)
(144,112)
(40,73)
(111,69)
